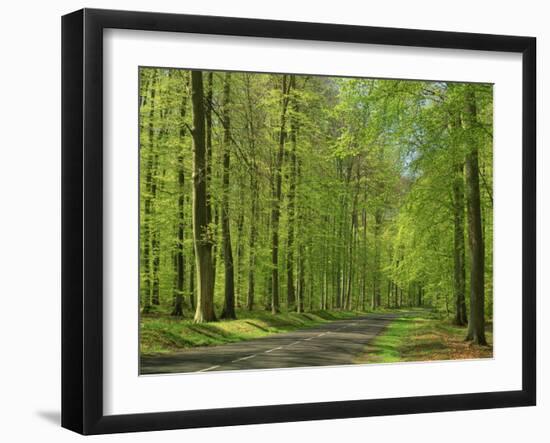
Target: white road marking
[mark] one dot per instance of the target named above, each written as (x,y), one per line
(277,348)
(209,369)
(244,358)
(274,349)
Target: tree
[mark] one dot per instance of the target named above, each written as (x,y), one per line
(147,285)
(476,325)
(459,249)
(291,294)
(276,197)
(180,254)
(201,235)
(229,299)
(253,190)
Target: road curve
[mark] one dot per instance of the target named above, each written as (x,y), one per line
(330,344)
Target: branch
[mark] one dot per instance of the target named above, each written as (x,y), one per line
(243,157)
(486,186)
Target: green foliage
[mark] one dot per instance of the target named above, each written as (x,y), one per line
(373,191)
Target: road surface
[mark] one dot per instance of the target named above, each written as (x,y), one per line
(330,344)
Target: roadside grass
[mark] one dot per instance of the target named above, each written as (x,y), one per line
(424,336)
(161,333)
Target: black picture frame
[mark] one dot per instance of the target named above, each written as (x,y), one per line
(82,218)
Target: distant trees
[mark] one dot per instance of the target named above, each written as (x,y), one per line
(314,193)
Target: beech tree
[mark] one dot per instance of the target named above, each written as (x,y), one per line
(229,303)
(476,325)
(201,234)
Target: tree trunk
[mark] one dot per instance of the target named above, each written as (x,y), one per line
(476,325)
(376,274)
(155,241)
(208,122)
(291,296)
(192,271)
(147,206)
(212,214)
(365,261)
(252,243)
(276,204)
(228,311)
(201,236)
(352,238)
(301,279)
(461,318)
(179,255)
(240,249)
(180,263)
(254,191)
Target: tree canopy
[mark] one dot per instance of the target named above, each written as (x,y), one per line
(296,193)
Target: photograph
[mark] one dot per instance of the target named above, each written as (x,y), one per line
(289,220)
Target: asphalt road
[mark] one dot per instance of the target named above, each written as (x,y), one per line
(334,343)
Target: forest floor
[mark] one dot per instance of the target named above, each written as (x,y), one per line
(161,333)
(423,337)
(260,340)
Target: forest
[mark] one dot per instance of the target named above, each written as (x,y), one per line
(282,193)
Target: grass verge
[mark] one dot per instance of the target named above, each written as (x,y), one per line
(423,337)
(161,333)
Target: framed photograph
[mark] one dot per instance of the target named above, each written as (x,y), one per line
(269,221)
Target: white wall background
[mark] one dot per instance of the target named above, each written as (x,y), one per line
(30,218)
